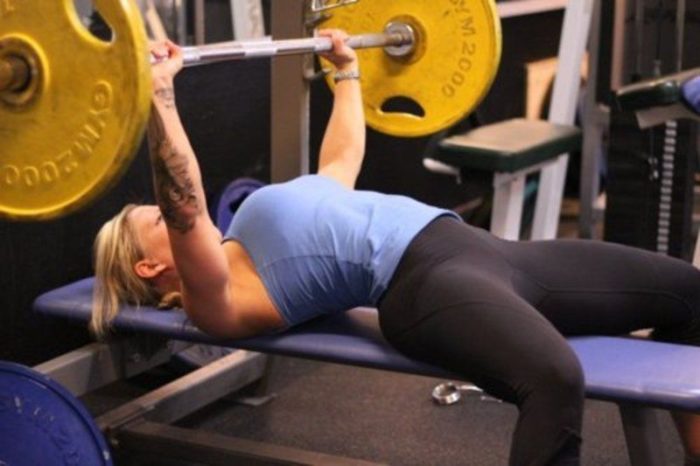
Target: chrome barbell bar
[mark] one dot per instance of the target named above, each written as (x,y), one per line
(398,39)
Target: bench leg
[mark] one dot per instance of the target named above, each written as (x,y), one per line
(595,120)
(643,436)
(549,198)
(509,192)
(261,394)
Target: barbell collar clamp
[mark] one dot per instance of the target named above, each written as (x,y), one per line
(400,50)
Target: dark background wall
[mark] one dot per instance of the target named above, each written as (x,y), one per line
(635,156)
(657,45)
(225,110)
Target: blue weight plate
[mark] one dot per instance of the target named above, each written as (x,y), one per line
(231,199)
(41,423)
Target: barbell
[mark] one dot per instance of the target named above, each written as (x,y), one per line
(397,38)
(73,108)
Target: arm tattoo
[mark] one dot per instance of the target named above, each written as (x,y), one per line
(174,188)
(167,96)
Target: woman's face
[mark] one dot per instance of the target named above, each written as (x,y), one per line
(150,228)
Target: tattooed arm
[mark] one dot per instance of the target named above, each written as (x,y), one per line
(194,240)
(176,178)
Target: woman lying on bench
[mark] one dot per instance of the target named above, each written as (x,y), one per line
(447,293)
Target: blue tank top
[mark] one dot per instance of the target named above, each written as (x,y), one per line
(321,248)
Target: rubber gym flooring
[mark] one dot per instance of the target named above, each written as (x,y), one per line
(382,417)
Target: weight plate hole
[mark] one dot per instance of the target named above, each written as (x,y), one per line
(93,22)
(403,104)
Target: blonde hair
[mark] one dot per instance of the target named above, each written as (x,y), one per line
(116,250)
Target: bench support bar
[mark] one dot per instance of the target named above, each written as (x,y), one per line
(159,441)
(98,364)
(189,393)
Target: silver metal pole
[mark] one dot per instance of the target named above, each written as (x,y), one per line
(289,95)
(242,50)
(639,16)
(620,27)
(595,119)
(680,34)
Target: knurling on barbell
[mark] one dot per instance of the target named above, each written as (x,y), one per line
(70,130)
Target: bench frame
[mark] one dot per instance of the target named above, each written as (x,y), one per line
(142,425)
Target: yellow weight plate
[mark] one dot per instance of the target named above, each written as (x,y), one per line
(456,57)
(79,122)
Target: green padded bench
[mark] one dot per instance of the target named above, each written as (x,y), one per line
(510,149)
(509,146)
(656,101)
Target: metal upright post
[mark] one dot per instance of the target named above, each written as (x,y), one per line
(200,35)
(290,94)
(179,15)
(620,27)
(247,19)
(572,45)
(595,120)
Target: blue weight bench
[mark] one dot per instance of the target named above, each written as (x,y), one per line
(636,374)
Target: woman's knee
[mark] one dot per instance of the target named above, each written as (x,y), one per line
(688,288)
(681,281)
(682,306)
(560,379)
(551,413)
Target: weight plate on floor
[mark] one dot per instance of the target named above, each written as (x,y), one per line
(231,199)
(41,423)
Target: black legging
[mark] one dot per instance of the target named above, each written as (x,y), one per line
(495,311)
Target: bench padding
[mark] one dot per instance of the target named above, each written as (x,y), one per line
(509,146)
(616,369)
